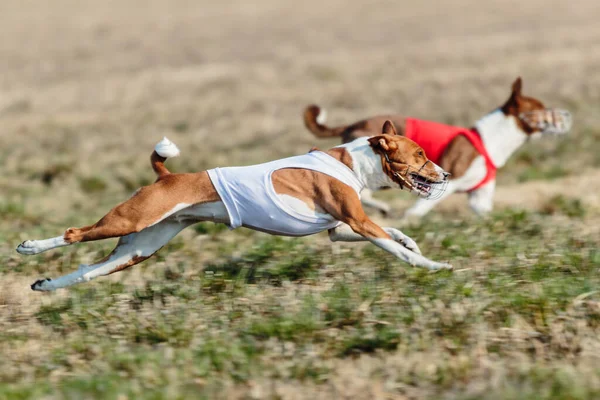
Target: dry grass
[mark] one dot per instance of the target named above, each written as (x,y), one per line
(89,87)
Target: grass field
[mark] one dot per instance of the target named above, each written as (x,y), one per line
(87,89)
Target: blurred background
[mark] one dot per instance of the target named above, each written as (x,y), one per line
(87,89)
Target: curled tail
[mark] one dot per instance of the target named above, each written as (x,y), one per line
(163,150)
(314,119)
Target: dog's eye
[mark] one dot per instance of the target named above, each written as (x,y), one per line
(420,153)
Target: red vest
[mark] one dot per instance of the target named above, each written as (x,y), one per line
(434,137)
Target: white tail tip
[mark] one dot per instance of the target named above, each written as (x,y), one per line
(167,149)
(322,117)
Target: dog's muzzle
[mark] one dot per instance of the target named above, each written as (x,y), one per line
(418,184)
(552,121)
(425,187)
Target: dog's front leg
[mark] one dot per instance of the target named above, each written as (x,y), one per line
(376,235)
(344,233)
(367,199)
(131,249)
(362,227)
(343,204)
(482,200)
(423,206)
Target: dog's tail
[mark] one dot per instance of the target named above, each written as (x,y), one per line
(314,119)
(163,150)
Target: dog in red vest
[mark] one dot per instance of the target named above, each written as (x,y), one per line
(471,155)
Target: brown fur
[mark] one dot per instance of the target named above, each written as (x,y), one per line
(150,203)
(158,165)
(317,190)
(403,154)
(135,260)
(341,155)
(320,190)
(517,104)
(303,184)
(147,206)
(328,194)
(459,154)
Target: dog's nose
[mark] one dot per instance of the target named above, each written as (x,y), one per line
(446,174)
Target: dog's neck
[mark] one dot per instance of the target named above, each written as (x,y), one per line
(366,164)
(501,136)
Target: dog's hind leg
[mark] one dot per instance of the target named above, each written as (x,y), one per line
(150,205)
(30,247)
(131,249)
(131,216)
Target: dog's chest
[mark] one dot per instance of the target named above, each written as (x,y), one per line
(300,207)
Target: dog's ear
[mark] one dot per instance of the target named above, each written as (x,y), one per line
(388,128)
(517,86)
(512,104)
(383,143)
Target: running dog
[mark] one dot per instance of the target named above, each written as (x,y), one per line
(295,196)
(471,156)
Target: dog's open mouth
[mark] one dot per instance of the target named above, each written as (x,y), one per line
(422,184)
(426,187)
(412,180)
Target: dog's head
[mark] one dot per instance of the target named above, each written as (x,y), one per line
(532,116)
(406,164)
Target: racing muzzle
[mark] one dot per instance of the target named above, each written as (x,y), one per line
(552,121)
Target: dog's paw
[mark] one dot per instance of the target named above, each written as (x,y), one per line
(41,285)
(410,244)
(403,239)
(28,247)
(447,266)
(440,267)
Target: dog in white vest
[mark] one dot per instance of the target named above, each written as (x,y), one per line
(295,196)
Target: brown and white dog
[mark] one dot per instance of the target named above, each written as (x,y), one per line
(471,156)
(281,197)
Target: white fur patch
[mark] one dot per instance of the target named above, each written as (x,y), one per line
(213,211)
(439,170)
(414,259)
(367,165)
(482,199)
(322,117)
(141,244)
(178,207)
(30,247)
(167,149)
(501,136)
(536,135)
(474,174)
(302,208)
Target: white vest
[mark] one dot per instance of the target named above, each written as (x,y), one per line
(251,200)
